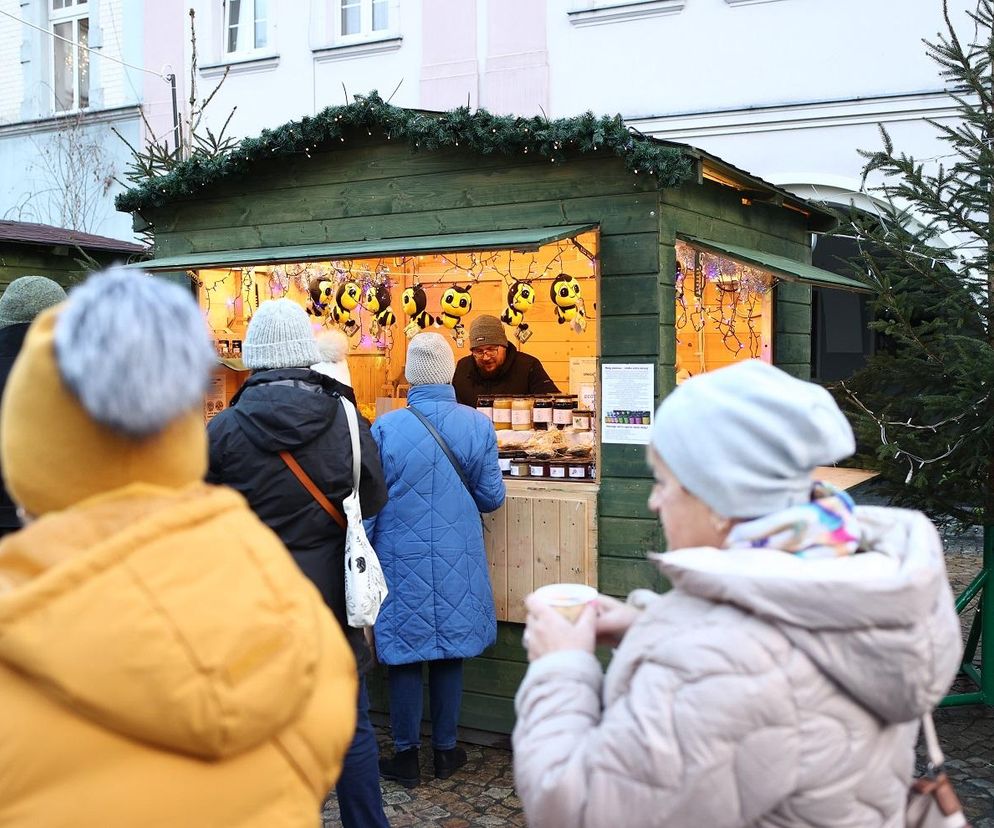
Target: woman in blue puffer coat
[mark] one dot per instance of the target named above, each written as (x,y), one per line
(429,539)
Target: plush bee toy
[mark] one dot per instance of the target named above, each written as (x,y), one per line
(456,303)
(346,300)
(415,302)
(320,299)
(378,303)
(565,294)
(520,298)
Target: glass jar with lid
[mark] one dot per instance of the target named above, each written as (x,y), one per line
(485,405)
(542,414)
(502,413)
(562,411)
(521,413)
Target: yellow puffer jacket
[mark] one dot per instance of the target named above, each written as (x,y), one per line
(164,663)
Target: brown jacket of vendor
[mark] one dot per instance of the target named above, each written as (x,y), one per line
(520,374)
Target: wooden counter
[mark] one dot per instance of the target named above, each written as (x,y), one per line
(546,532)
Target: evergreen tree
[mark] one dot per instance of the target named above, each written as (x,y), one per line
(924,402)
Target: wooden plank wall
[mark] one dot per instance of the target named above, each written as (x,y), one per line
(381,191)
(59,263)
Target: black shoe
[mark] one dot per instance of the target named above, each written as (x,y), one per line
(447,762)
(402,768)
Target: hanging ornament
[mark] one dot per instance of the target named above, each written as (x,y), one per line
(415,302)
(456,303)
(565,293)
(346,300)
(520,298)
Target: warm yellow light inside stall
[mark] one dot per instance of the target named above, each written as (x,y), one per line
(378,331)
(723,312)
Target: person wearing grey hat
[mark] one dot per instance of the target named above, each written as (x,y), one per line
(495,366)
(782,679)
(21,302)
(440,463)
(285,406)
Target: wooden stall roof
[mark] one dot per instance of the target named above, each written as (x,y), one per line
(47,235)
(518,240)
(667,163)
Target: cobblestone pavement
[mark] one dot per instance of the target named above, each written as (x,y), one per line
(481,795)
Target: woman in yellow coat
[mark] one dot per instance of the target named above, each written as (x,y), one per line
(162,660)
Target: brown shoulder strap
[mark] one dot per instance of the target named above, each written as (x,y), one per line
(316,493)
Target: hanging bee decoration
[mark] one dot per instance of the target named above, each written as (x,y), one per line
(456,303)
(520,298)
(321,298)
(346,300)
(378,303)
(565,294)
(415,302)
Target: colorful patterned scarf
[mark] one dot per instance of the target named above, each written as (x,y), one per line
(824,528)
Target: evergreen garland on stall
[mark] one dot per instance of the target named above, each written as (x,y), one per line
(479,131)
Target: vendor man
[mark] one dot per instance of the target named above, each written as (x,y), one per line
(495,366)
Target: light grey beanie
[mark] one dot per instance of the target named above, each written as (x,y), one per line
(429,360)
(134,349)
(28,296)
(279,335)
(744,439)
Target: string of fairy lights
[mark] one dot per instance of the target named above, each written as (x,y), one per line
(336,291)
(735,308)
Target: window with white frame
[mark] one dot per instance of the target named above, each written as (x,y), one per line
(70,23)
(246,26)
(361,19)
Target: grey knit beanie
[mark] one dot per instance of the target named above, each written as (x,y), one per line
(429,360)
(134,349)
(280,336)
(744,439)
(486,330)
(28,296)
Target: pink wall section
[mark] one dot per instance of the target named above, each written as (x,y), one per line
(449,67)
(167,27)
(516,79)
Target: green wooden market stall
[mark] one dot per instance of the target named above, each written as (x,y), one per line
(675,260)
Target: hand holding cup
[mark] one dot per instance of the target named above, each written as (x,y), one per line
(560,617)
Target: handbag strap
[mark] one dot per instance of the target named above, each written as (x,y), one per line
(350,415)
(316,493)
(935,757)
(444,446)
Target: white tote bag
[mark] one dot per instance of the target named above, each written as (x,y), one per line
(365,586)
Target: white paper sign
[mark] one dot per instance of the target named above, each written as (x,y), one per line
(214,399)
(627,402)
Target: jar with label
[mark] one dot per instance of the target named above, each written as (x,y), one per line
(557,469)
(521,413)
(542,414)
(578,470)
(562,411)
(485,405)
(582,419)
(505,458)
(519,467)
(502,413)
(538,468)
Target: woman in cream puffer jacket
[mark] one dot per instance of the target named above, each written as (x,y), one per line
(780,682)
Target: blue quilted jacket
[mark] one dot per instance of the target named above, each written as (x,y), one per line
(428,536)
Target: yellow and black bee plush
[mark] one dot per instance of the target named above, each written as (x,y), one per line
(520,298)
(565,294)
(415,302)
(378,303)
(321,298)
(346,300)
(456,303)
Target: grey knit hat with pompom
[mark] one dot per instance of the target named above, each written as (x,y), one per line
(280,336)
(429,360)
(134,350)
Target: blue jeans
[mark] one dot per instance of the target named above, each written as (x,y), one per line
(360,802)
(406,702)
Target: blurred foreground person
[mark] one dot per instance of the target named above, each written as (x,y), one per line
(429,538)
(162,660)
(21,302)
(285,407)
(780,682)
